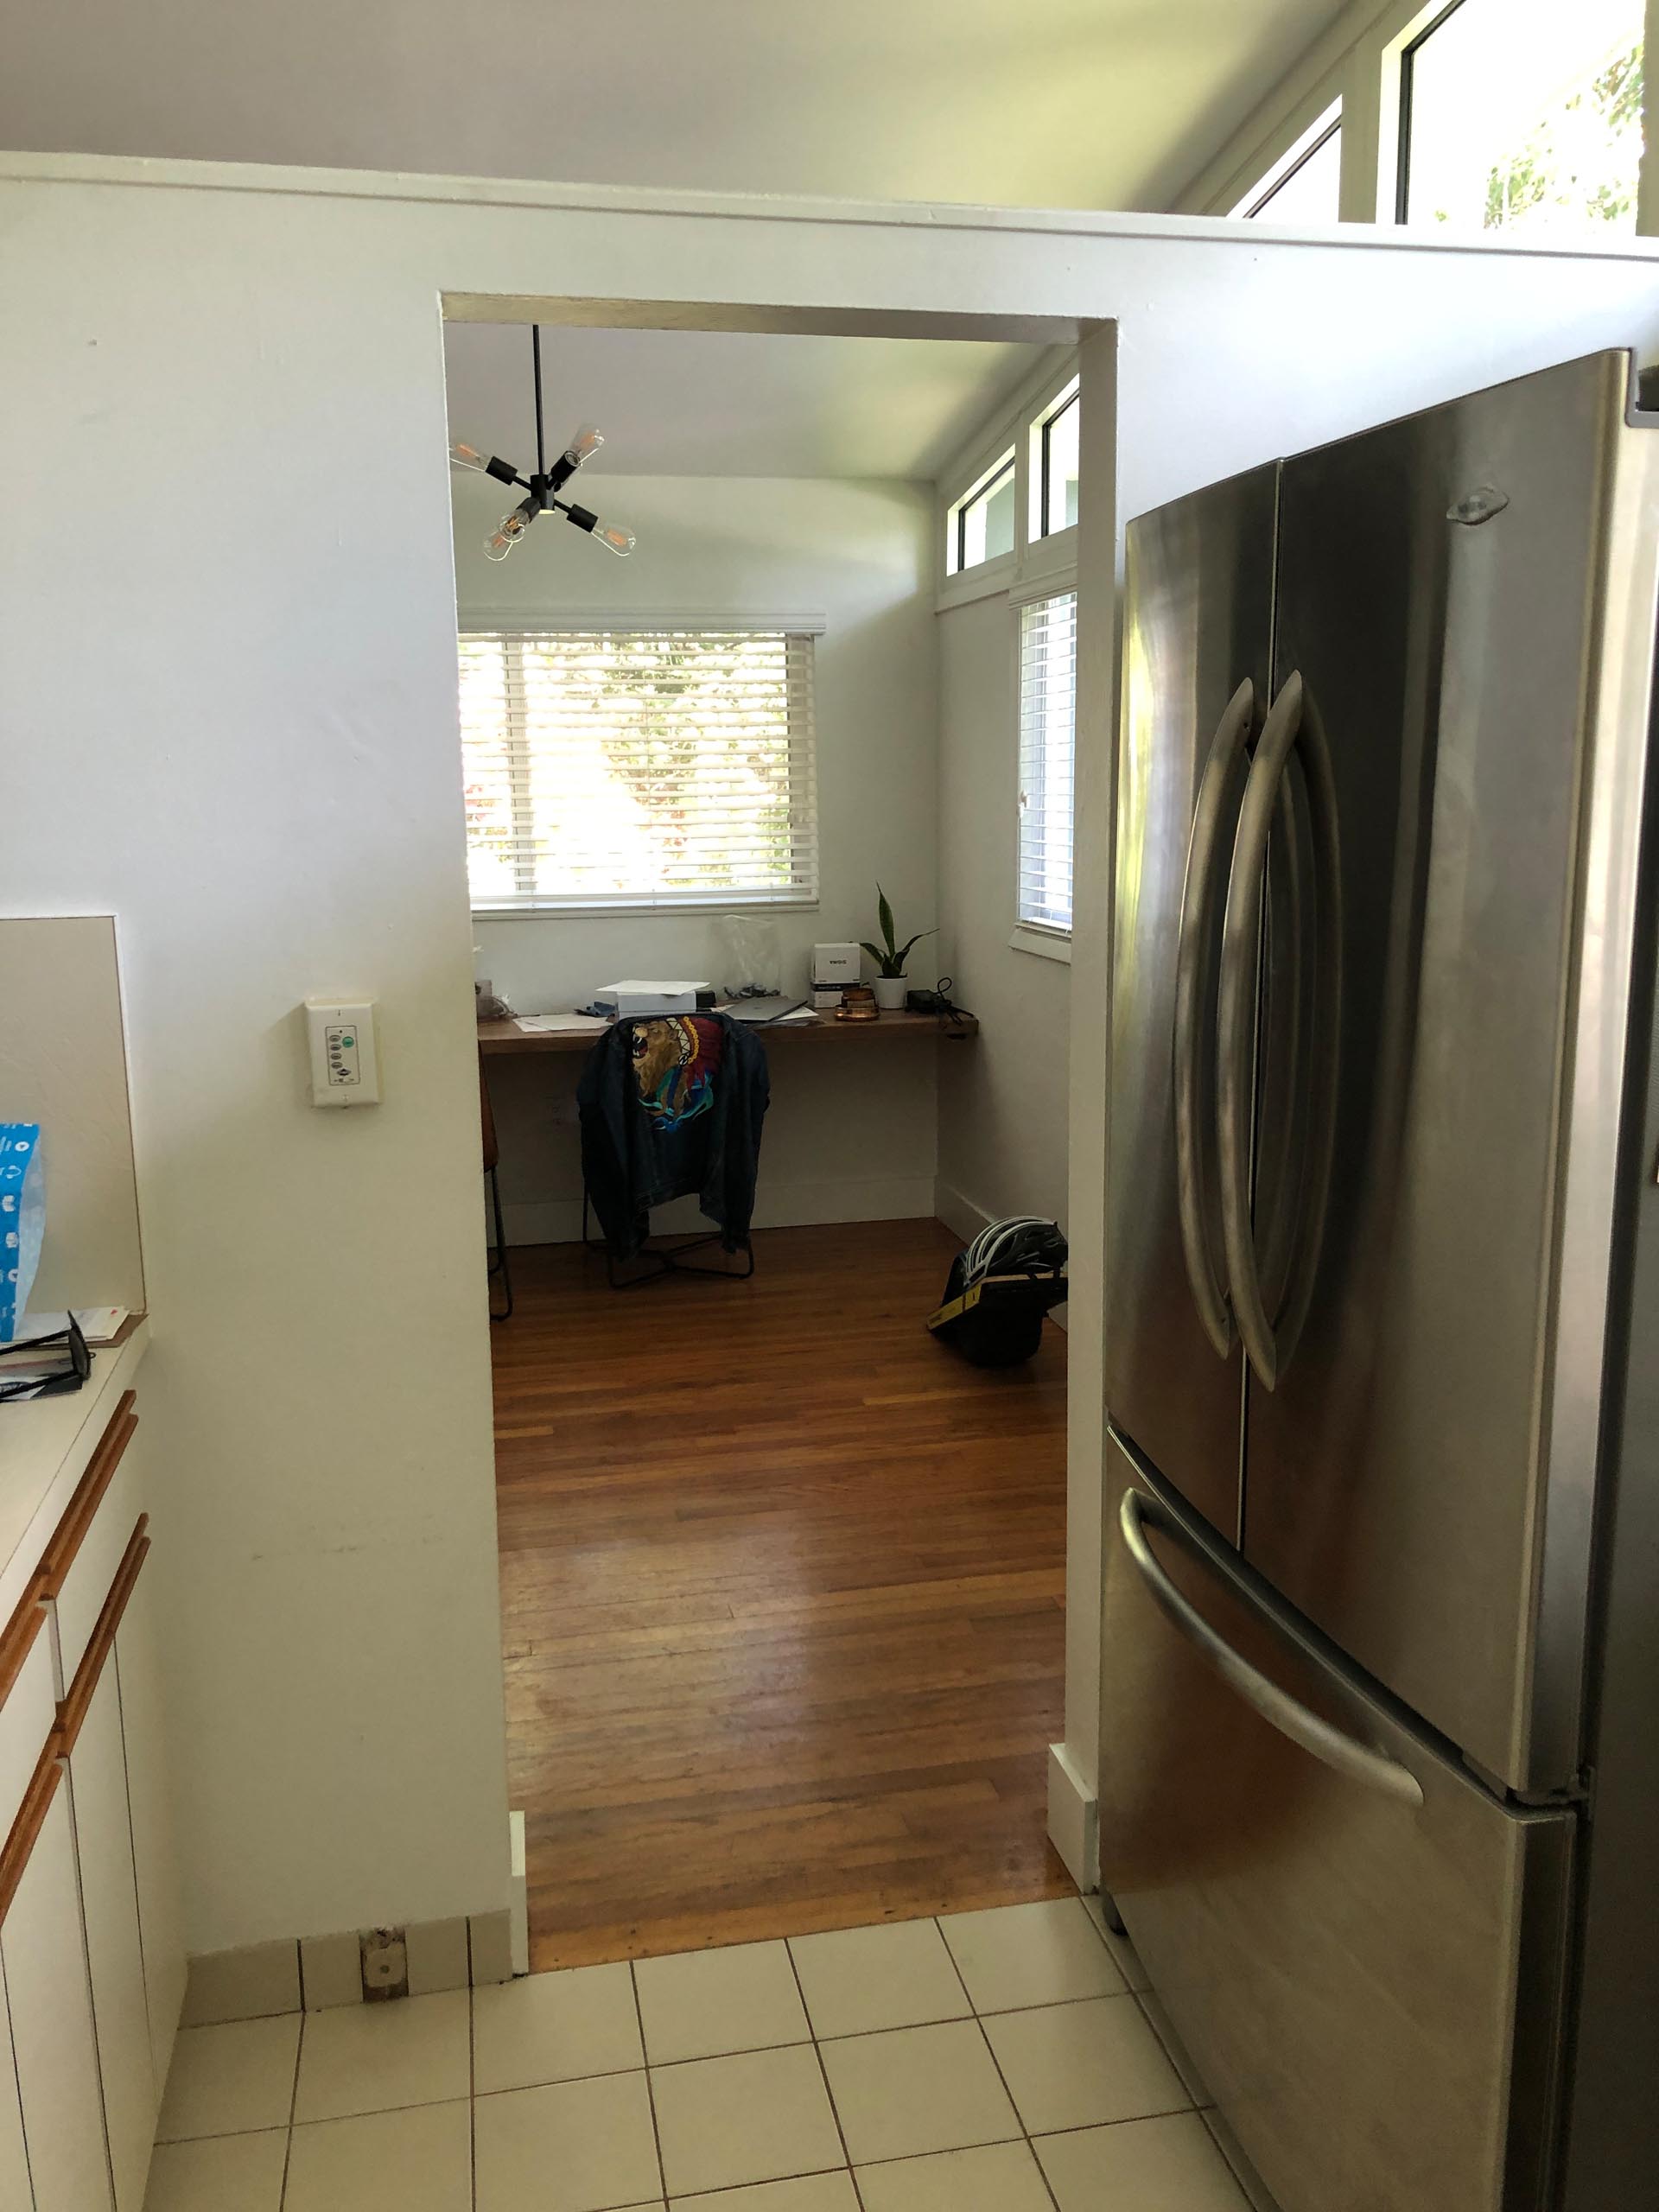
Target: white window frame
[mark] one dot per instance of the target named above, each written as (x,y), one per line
(1006,462)
(1036,437)
(1038,568)
(517,622)
(1018,427)
(1357,65)
(1258,200)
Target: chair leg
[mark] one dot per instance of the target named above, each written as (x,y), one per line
(499,1264)
(664,1259)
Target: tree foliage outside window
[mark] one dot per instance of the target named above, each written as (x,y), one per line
(1525,114)
(605,768)
(1581,161)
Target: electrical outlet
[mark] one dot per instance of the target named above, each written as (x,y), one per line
(385,1963)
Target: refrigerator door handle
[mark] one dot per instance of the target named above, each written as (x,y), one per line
(1197,925)
(1292,724)
(1360,1762)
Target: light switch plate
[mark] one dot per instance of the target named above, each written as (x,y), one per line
(345,1066)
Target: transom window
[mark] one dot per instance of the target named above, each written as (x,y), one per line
(661,768)
(1303,187)
(1522,115)
(1054,448)
(981,524)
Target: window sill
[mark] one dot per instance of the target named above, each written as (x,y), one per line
(727,903)
(1049,565)
(1047,945)
(988,580)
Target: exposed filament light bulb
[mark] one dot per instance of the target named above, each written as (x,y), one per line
(464,456)
(501,542)
(619,541)
(586,442)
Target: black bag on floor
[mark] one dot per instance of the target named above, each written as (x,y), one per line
(1000,1289)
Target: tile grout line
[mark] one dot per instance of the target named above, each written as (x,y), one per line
(293,2107)
(977,2019)
(1108,1939)
(1031,2148)
(823,2074)
(651,2090)
(813,2037)
(472,2072)
(337,2118)
(1178,2070)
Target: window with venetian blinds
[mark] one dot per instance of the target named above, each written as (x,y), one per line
(1048,692)
(654,768)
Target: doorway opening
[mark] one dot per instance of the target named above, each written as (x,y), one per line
(782,1576)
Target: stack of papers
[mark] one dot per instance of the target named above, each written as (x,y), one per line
(550,1025)
(20,1364)
(633,988)
(764,1013)
(100,1324)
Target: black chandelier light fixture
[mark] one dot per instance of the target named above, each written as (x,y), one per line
(544,486)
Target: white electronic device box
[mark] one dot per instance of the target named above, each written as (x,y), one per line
(836,964)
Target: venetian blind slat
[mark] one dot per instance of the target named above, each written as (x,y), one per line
(1048,664)
(666,767)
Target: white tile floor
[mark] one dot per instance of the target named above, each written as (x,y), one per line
(988,2061)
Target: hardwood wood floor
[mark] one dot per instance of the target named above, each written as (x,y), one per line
(781,1583)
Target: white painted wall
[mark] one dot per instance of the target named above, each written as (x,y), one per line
(229,712)
(63,1063)
(844,1141)
(1002,1105)
(230,717)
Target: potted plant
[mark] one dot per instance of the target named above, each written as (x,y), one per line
(890,957)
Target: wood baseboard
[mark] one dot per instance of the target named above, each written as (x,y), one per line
(1073,1819)
(778,1205)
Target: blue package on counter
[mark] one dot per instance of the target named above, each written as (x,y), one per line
(22,1219)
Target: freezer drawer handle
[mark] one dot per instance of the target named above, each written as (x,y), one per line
(1360,1761)
(1292,724)
(1197,909)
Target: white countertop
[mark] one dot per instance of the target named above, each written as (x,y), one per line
(44,1446)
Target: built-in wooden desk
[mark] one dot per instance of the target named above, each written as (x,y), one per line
(507,1036)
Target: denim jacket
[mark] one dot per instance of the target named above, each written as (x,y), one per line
(672,1104)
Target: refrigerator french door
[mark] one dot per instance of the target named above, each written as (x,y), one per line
(1373,958)
(1197,645)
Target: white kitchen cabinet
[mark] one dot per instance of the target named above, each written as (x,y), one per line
(44,1958)
(16,2187)
(91,1965)
(109,1897)
(161,1918)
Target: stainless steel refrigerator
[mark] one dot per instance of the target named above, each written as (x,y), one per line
(1380,1757)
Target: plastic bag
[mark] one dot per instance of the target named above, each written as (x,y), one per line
(22,1219)
(751,961)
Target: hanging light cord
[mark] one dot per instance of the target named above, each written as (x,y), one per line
(536,357)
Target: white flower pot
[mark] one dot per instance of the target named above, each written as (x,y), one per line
(890,993)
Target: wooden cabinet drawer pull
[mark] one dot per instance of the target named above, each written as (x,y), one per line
(18,1639)
(72,1711)
(31,1816)
(89,1496)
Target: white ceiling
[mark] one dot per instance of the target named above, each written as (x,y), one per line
(1049,102)
(1055,102)
(675,403)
